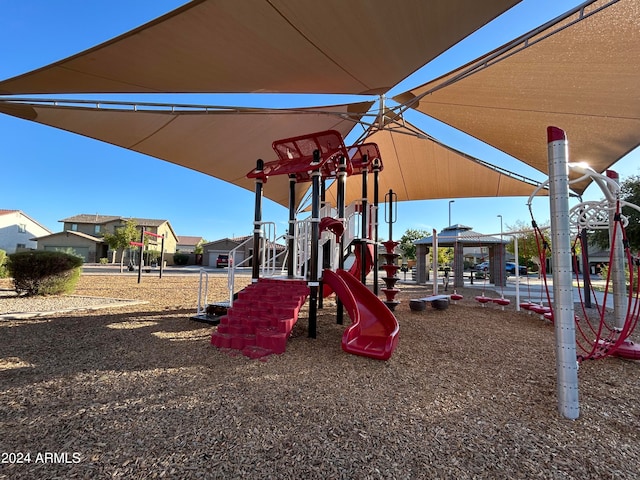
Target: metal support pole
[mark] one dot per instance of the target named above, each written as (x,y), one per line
(257,225)
(586,274)
(566,363)
(434,259)
(364,227)
(515,247)
(315,238)
(141,247)
(325,248)
(618,262)
(376,202)
(390,220)
(340,196)
(292,227)
(161,255)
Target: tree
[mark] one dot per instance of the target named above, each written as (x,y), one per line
(445,254)
(528,253)
(199,247)
(406,242)
(121,238)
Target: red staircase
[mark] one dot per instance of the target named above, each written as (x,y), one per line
(261,319)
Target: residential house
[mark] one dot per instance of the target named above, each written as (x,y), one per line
(17,231)
(187,244)
(84,235)
(89,247)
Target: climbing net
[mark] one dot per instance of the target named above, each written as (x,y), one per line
(608,333)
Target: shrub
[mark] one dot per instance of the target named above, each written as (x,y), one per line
(180,258)
(3,264)
(104,261)
(44,272)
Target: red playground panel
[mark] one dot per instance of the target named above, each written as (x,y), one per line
(357,153)
(296,156)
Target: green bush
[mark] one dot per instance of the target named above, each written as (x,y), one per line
(44,272)
(104,261)
(3,264)
(180,258)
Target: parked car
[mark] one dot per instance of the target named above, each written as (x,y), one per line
(510,267)
(482,267)
(223,261)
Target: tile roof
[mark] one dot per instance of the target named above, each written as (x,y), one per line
(92,218)
(95,219)
(189,240)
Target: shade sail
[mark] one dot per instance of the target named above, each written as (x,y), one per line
(580,74)
(295,46)
(223,144)
(418,168)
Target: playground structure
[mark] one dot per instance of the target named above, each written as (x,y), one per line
(390,266)
(259,319)
(600,340)
(600,337)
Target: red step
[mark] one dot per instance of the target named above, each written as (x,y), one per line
(262,317)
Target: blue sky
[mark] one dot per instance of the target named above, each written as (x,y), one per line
(40,163)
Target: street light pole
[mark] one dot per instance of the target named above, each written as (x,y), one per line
(502,255)
(450,202)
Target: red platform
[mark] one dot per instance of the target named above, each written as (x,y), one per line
(629,350)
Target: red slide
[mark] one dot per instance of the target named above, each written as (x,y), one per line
(356,267)
(374,329)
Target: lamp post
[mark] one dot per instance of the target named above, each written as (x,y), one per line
(450,202)
(500,216)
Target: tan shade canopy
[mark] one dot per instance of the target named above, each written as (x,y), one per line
(581,75)
(223,144)
(423,169)
(295,46)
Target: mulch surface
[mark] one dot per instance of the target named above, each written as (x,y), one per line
(138,392)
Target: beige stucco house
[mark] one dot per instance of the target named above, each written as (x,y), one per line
(84,235)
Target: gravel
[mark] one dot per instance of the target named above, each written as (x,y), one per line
(136,391)
(13,306)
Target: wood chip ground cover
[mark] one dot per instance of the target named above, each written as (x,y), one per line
(138,392)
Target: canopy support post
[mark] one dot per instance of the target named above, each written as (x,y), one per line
(564,323)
